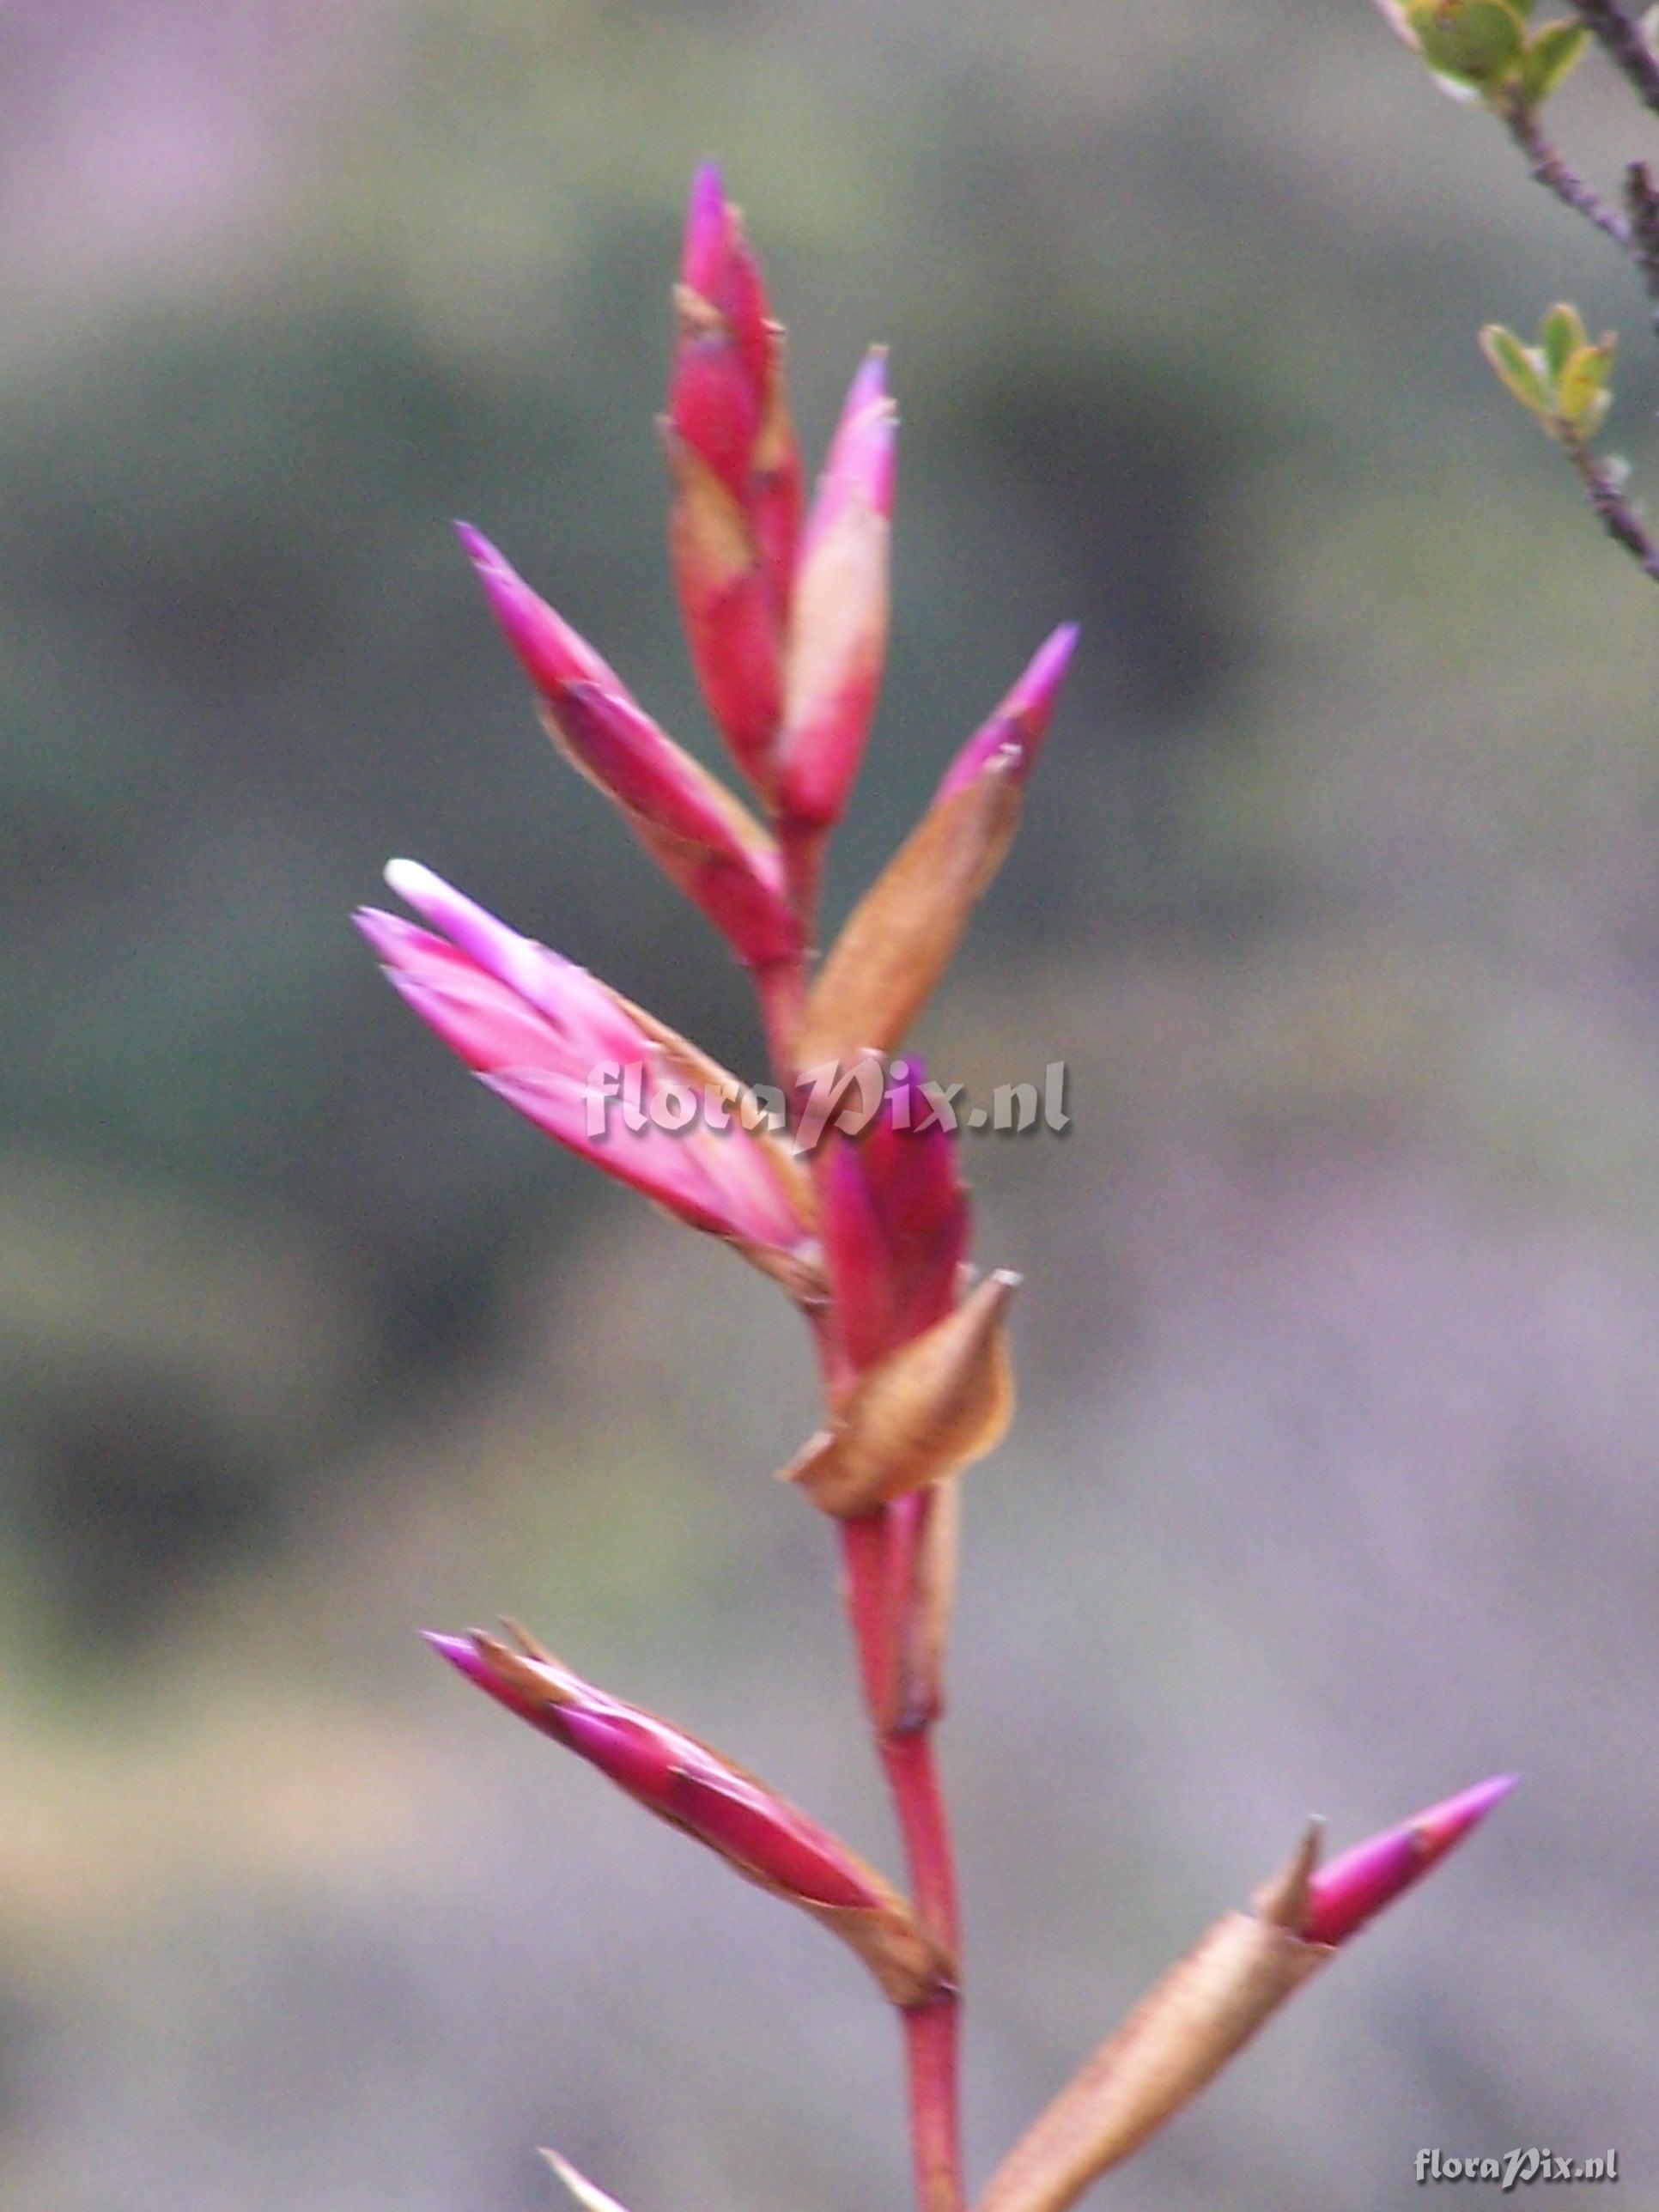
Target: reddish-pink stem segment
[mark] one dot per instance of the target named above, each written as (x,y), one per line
(874,1594)
(932,2031)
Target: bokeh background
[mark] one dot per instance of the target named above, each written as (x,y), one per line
(1339,894)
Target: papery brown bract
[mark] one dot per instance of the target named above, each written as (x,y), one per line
(941,1399)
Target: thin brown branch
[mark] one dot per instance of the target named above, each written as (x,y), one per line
(1550,167)
(1606,495)
(1626,44)
(1642,200)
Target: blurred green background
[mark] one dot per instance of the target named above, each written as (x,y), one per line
(1338,893)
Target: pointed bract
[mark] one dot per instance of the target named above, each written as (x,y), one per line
(701,837)
(1353,1888)
(735,469)
(938,1403)
(705,1795)
(1015,731)
(895,1221)
(838,627)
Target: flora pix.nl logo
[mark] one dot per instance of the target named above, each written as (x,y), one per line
(845,1098)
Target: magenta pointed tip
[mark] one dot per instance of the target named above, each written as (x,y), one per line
(495,571)
(1035,694)
(385,933)
(461,1653)
(478,548)
(1451,1820)
(869,385)
(1354,1886)
(708,225)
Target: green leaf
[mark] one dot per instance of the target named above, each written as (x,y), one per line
(1561,333)
(1521,370)
(1582,397)
(1479,41)
(1549,57)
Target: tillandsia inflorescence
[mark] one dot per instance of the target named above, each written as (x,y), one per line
(863,1221)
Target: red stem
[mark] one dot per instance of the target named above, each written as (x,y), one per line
(874,1593)
(932,2031)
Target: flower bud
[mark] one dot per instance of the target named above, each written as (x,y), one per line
(700,836)
(736,480)
(586,1067)
(703,1794)
(1210,2003)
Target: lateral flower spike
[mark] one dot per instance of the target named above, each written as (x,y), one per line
(940,1401)
(838,627)
(584,1066)
(900,936)
(703,1793)
(1210,2003)
(732,454)
(701,837)
(895,1220)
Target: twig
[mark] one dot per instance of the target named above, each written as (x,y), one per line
(1642,198)
(1550,167)
(1626,44)
(1606,495)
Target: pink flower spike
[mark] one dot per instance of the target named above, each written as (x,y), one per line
(1017,729)
(700,835)
(731,447)
(1351,1889)
(685,1783)
(573,1059)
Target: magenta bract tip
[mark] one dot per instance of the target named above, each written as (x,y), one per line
(1015,731)
(1451,1819)
(1356,1885)
(707,224)
(550,653)
(461,1653)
